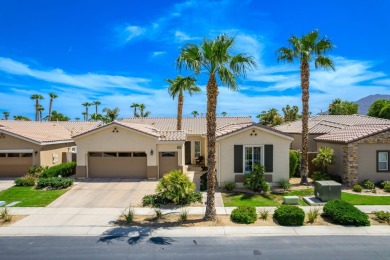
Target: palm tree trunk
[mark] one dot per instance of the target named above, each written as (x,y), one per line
(86,113)
(96,109)
(180,110)
(36,110)
(212,94)
(50,106)
(305,74)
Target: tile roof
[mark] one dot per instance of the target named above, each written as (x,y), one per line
(45,132)
(231,128)
(323,124)
(353,133)
(192,125)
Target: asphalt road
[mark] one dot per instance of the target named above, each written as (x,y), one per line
(146,247)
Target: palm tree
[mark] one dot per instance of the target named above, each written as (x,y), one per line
(40,109)
(111,114)
(36,97)
(135,105)
(141,111)
(86,104)
(306,49)
(195,113)
(96,104)
(223,114)
(77,119)
(52,97)
(177,87)
(6,115)
(215,58)
(83,113)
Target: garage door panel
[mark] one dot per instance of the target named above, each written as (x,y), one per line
(120,167)
(168,161)
(14,166)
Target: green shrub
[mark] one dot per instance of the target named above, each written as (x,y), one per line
(5,214)
(369,184)
(183,215)
(285,185)
(357,188)
(386,186)
(25,181)
(320,176)
(264,214)
(63,170)
(244,215)
(255,180)
(344,213)
(128,215)
(159,214)
(229,186)
(36,170)
(54,183)
(265,187)
(325,157)
(294,161)
(203,182)
(289,215)
(383,183)
(175,187)
(382,216)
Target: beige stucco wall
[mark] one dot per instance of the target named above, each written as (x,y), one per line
(338,167)
(367,162)
(10,142)
(297,143)
(47,152)
(173,147)
(105,140)
(225,163)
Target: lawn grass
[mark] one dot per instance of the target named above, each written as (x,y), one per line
(258,200)
(30,197)
(356,199)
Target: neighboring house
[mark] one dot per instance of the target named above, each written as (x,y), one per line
(356,139)
(27,143)
(151,147)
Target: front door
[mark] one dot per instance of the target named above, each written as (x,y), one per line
(188,152)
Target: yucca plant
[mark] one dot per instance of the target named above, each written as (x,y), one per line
(183,215)
(263,214)
(5,214)
(176,187)
(128,215)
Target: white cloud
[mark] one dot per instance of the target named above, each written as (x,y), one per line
(132,32)
(182,37)
(91,81)
(158,53)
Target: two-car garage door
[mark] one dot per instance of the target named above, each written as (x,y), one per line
(15,163)
(117,164)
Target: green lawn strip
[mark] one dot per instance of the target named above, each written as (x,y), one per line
(356,199)
(246,199)
(29,197)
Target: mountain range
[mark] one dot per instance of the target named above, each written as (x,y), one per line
(365,103)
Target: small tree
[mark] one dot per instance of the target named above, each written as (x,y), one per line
(294,161)
(324,158)
(270,117)
(380,108)
(290,113)
(195,113)
(256,180)
(340,107)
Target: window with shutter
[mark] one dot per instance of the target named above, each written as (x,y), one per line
(238,159)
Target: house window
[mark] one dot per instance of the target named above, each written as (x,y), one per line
(383,161)
(168,154)
(124,154)
(197,149)
(139,154)
(107,154)
(252,155)
(3,154)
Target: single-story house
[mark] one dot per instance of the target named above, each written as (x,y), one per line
(362,152)
(355,139)
(26,143)
(151,147)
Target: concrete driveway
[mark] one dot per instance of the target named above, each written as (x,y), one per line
(105,193)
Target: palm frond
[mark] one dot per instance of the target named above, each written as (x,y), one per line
(286,54)
(324,62)
(190,57)
(240,63)
(228,78)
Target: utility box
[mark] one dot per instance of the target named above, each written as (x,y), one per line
(327,190)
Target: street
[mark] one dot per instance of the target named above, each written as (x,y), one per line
(149,247)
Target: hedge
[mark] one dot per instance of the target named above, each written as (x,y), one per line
(25,181)
(63,170)
(344,213)
(244,215)
(54,183)
(289,215)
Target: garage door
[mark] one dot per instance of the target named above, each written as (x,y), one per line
(168,162)
(15,164)
(117,164)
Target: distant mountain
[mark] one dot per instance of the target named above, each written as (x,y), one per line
(365,103)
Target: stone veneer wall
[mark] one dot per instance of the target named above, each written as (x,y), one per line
(350,158)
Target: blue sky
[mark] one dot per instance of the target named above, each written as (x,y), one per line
(121,52)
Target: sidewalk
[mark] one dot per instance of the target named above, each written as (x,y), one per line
(99,221)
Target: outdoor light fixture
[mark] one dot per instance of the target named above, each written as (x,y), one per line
(2,135)
(36,152)
(151,152)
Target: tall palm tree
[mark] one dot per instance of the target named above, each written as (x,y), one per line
(86,104)
(223,114)
(216,59)
(310,47)
(111,114)
(83,113)
(52,97)
(36,97)
(142,107)
(177,87)
(96,104)
(40,109)
(6,115)
(195,113)
(135,106)
(77,119)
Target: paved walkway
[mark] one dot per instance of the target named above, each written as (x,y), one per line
(5,184)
